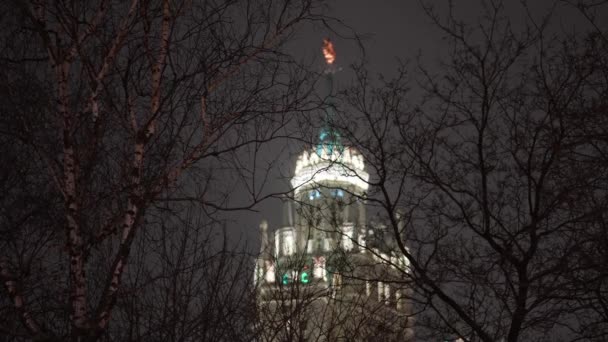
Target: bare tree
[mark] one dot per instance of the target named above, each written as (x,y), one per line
(131,105)
(187,283)
(499,176)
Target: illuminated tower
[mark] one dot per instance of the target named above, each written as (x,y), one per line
(326,274)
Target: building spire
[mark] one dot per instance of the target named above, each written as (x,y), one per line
(329,138)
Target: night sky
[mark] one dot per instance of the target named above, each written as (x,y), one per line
(390,31)
(486,217)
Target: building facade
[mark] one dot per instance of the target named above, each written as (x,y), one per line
(327,274)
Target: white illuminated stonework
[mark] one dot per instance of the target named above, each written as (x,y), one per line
(285,241)
(347,237)
(326,273)
(344,168)
(327,255)
(270,274)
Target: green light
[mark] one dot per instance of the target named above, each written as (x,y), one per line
(304,278)
(285,279)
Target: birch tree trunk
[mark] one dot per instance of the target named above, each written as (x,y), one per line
(135,100)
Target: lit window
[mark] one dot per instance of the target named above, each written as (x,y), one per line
(314,194)
(327,245)
(337,193)
(270,273)
(347,237)
(319,267)
(288,243)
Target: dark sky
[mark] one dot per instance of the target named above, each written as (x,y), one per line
(392,30)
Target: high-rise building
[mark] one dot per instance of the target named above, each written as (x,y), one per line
(327,274)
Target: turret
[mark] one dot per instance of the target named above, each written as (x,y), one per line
(264,237)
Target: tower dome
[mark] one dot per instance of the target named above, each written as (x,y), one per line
(330,165)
